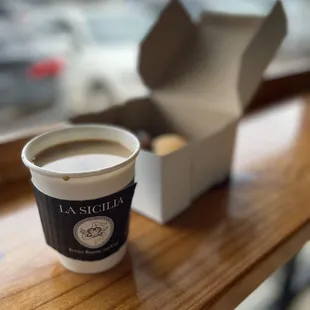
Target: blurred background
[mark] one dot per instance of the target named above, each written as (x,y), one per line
(60,57)
(72,57)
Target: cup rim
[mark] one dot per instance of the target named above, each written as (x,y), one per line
(57,174)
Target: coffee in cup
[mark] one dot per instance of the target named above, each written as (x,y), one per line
(83,179)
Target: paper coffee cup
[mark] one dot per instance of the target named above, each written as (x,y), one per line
(85,215)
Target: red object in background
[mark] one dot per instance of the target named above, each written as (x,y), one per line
(46,68)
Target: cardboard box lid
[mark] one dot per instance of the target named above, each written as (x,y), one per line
(255,59)
(220,59)
(167,40)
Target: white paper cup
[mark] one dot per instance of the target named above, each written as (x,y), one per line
(78,187)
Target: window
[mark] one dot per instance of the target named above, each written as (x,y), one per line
(53,53)
(59,58)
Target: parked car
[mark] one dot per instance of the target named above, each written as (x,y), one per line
(28,69)
(84,60)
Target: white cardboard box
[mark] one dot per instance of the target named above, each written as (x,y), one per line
(201,77)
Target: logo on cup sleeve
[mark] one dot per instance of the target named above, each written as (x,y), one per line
(93,232)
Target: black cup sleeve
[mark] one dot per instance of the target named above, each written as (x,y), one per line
(87,230)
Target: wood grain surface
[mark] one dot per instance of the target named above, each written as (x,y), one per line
(210,257)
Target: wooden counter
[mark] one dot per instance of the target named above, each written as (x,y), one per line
(210,257)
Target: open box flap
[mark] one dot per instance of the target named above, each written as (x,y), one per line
(200,92)
(207,75)
(260,51)
(168,39)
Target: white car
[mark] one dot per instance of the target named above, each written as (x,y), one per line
(103,69)
(83,59)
